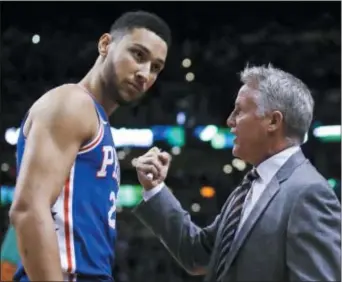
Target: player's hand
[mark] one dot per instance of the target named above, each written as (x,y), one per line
(152,167)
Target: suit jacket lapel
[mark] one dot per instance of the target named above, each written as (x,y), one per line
(271,190)
(213,260)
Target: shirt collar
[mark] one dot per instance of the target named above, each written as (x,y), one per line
(268,168)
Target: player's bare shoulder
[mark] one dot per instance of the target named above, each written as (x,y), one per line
(67,106)
(65,98)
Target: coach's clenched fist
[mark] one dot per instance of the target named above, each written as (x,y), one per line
(152,167)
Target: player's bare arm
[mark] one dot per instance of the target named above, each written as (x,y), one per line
(57,126)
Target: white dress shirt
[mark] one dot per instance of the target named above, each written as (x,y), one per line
(266,171)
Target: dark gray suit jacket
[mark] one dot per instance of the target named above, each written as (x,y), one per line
(292,234)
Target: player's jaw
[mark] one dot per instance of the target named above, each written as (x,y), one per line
(129,93)
(135,89)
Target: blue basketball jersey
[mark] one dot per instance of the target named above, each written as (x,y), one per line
(85,211)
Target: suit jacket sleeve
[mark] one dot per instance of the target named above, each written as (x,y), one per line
(190,245)
(314,236)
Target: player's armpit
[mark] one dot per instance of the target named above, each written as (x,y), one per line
(60,123)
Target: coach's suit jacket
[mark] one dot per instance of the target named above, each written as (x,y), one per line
(292,234)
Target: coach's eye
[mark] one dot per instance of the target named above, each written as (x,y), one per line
(236,112)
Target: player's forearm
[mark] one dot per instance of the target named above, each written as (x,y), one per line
(38,246)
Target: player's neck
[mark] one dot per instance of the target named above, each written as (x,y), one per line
(93,83)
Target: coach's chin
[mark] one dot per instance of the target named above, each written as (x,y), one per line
(252,154)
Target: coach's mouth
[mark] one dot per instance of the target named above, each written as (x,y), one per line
(235,137)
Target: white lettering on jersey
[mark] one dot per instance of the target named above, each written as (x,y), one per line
(109,158)
(111,212)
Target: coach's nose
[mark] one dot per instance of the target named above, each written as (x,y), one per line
(230,121)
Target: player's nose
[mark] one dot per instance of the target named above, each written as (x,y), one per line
(143,73)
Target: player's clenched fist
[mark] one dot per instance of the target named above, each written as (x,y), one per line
(152,167)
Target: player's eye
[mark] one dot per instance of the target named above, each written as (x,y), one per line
(138,55)
(156,68)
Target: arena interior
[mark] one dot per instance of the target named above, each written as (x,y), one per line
(47,44)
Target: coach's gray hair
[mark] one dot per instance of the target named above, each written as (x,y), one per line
(281,91)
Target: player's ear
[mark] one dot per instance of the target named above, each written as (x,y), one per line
(104,42)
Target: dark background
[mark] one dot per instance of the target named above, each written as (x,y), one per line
(303,38)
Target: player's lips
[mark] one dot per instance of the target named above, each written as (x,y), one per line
(136,87)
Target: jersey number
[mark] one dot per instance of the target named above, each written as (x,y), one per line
(111,215)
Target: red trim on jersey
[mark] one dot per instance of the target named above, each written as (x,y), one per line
(95,142)
(67,224)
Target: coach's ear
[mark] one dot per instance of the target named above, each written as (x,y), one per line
(103,45)
(275,121)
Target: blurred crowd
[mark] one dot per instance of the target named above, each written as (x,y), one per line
(67,48)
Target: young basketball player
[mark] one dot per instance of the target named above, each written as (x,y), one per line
(68,173)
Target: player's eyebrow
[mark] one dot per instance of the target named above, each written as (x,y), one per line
(146,50)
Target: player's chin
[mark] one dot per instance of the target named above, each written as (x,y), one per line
(131,96)
(124,98)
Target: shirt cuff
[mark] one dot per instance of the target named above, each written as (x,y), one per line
(150,193)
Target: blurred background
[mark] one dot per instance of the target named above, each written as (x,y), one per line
(47,44)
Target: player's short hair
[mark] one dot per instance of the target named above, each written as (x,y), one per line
(141,19)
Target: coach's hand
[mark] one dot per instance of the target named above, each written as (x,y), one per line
(152,167)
